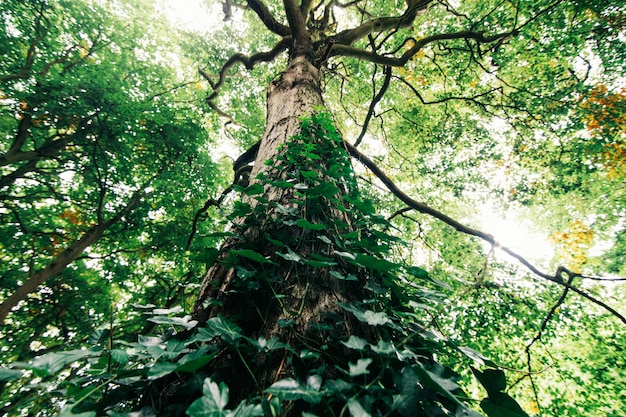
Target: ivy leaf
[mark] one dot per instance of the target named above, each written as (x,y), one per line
(367,316)
(305,224)
(289,389)
(265,345)
(355,342)
(227,330)
(500,404)
(356,409)
(385,348)
(290,256)
(360,367)
(250,254)
(51,363)
(7,374)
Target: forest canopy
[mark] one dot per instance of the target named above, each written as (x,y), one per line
(288,211)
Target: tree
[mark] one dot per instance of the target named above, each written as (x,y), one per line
(308,307)
(98,169)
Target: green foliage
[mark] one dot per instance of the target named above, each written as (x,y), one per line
(532,122)
(391,370)
(89,115)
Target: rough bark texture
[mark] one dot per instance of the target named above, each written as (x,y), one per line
(296,93)
(308,296)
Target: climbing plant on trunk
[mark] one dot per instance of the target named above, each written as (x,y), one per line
(306,307)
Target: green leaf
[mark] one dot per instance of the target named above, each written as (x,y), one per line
(161,369)
(195,364)
(476,356)
(213,401)
(289,389)
(250,254)
(385,348)
(7,374)
(254,189)
(502,405)
(372,262)
(493,380)
(366,316)
(275,242)
(184,321)
(305,224)
(119,355)
(355,342)
(360,367)
(309,174)
(218,393)
(375,318)
(318,264)
(325,189)
(417,272)
(227,330)
(434,378)
(51,363)
(290,256)
(67,412)
(340,276)
(348,255)
(325,240)
(356,409)
(265,345)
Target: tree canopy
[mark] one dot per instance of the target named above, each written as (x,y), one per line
(348,269)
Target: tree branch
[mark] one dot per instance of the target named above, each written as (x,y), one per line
(268,19)
(373,104)
(69,255)
(423,208)
(342,49)
(248,61)
(297,23)
(349,36)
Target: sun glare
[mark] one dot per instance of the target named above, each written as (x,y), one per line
(193,15)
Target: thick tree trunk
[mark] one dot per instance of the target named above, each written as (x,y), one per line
(295,94)
(305,297)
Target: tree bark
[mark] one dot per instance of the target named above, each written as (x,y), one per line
(306,296)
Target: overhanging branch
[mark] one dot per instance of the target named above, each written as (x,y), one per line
(248,61)
(343,49)
(423,208)
(268,19)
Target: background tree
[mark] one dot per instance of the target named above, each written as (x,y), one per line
(312,297)
(101,155)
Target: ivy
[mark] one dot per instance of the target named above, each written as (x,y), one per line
(389,368)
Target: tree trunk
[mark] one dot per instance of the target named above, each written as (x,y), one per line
(298,303)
